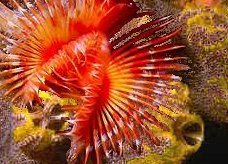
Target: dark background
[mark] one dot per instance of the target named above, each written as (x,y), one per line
(214,149)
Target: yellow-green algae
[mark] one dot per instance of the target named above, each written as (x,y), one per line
(216,107)
(206,18)
(29,129)
(222,82)
(203,19)
(221,9)
(182,94)
(48,96)
(218,104)
(186,5)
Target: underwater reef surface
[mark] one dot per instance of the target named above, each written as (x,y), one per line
(204,32)
(205,25)
(211,62)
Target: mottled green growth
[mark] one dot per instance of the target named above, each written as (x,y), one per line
(22,131)
(217,46)
(29,129)
(222,8)
(48,96)
(182,94)
(220,82)
(208,41)
(203,19)
(208,18)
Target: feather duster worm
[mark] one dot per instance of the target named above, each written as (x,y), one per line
(67,48)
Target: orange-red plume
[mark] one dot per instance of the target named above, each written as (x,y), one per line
(71,48)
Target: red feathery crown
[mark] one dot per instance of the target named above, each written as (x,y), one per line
(71,48)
